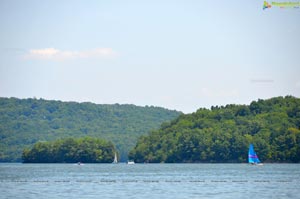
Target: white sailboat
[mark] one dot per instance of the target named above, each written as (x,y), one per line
(115,159)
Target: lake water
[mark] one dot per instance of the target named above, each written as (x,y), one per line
(149,181)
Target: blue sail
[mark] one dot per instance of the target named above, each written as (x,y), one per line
(252,157)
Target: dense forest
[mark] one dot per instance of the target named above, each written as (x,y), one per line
(223,134)
(24,122)
(70,150)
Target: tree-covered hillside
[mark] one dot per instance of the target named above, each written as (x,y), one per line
(223,134)
(70,150)
(23,122)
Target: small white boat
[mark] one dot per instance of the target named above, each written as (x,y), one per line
(130,162)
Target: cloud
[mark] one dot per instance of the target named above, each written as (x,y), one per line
(61,55)
(261,80)
(44,53)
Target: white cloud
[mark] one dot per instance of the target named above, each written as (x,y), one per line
(61,55)
(261,80)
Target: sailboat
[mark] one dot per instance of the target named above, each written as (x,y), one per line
(252,157)
(115,159)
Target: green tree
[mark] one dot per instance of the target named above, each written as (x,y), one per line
(223,134)
(70,150)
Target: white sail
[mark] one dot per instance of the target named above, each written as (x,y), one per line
(115,159)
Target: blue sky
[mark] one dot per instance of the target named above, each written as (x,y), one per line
(181,55)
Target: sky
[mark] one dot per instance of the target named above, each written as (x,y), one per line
(181,54)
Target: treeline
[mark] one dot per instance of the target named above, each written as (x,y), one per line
(70,150)
(223,134)
(24,122)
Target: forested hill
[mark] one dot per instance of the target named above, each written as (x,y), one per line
(223,134)
(26,121)
(70,150)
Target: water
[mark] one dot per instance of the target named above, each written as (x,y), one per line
(149,181)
